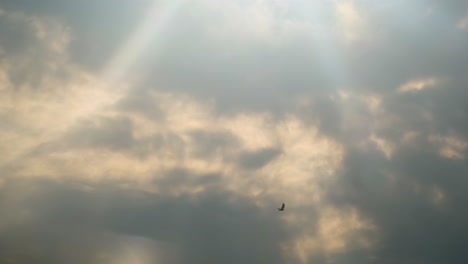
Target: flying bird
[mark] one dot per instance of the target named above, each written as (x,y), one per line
(282,208)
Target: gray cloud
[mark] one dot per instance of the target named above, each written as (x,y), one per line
(258,159)
(268,70)
(103,132)
(96,37)
(211,144)
(26,51)
(72,225)
(416,199)
(141,102)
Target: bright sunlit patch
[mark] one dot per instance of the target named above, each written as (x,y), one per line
(135,252)
(438,196)
(463,23)
(252,130)
(418,85)
(383,145)
(350,19)
(338,231)
(450,147)
(132,249)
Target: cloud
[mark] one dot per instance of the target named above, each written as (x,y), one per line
(234,108)
(170,147)
(352,21)
(104,132)
(450,147)
(258,159)
(104,224)
(463,23)
(417,85)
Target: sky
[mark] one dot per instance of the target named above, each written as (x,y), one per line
(157,131)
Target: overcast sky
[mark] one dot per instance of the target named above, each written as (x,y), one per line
(140,131)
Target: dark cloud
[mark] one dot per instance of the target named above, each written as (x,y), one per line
(113,133)
(408,42)
(26,55)
(451,118)
(251,78)
(400,195)
(257,159)
(98,27)
(178,177)
(326,114)
(139,101)
(212,144)
(68,224)
(21,35)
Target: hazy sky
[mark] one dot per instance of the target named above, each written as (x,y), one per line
(140,131)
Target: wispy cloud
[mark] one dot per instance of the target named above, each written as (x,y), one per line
(418,85)
(351,20)
(450,147)
(463,23)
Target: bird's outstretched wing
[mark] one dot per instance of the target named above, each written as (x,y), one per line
(282,208)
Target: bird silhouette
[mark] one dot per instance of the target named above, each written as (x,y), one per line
(282,208)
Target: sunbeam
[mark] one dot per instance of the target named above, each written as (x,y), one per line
(156,19)
(113,75)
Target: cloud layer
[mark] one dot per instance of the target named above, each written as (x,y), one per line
(350,112)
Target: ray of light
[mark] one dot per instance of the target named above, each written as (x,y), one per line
(148,34)
(157,18)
